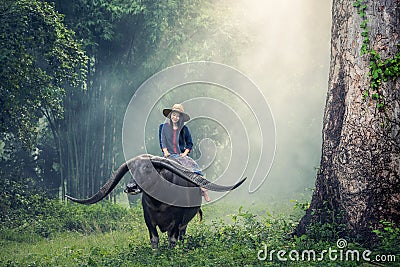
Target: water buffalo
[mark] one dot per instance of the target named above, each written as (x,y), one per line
(171,194)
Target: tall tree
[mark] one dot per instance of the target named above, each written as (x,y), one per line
(38,58)
(40,62)
(358,182)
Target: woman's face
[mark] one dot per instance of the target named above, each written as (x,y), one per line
(175,116)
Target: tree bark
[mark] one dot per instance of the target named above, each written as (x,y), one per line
(357,183)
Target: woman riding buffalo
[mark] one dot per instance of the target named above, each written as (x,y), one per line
(176,140)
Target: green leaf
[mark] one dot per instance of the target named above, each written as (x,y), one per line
(366,94)
(380,105)
(363,24)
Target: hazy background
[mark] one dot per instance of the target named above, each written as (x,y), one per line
(286,53)
(284,48)
(288,57)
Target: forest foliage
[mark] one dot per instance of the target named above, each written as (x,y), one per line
(39,59)
(68,71)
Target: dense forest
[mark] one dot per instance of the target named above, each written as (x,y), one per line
(68,71)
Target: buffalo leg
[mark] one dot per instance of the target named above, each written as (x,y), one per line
(173,237)
(182,233)
(154,239)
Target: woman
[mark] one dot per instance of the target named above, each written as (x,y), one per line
(176,140)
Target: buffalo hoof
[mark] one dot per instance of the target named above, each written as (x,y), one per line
(172,242)
(154,246)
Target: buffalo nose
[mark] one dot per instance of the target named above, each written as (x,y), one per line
(132,188)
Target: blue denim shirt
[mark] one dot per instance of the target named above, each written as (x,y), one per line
(175,141)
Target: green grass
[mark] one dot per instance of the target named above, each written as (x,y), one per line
(112,235)
(65,249)
(206,244)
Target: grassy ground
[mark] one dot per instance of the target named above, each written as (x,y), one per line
(65,249)
(111,235)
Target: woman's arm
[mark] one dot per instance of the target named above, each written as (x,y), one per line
(161,137)
(188,141)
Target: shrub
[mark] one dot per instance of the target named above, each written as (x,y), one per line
(25,212)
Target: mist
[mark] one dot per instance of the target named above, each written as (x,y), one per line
(284,54)
(288,56)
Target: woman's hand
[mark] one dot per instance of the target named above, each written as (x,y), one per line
(185,153)
(166,153)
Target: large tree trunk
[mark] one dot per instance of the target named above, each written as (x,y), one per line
(358,181)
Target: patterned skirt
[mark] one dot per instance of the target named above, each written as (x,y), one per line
(187,162)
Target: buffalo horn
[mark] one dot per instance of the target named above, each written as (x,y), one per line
(189,175)
(106,189)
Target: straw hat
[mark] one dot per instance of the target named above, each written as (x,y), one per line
(177,108)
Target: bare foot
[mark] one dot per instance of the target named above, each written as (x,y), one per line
(206,197)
